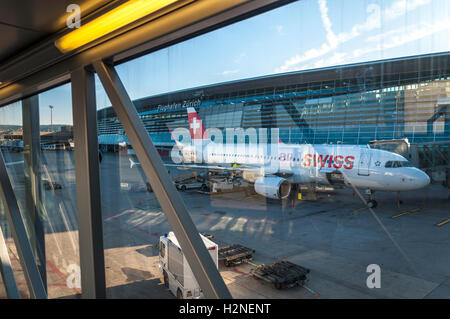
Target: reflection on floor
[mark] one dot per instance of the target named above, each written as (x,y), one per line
(334,236)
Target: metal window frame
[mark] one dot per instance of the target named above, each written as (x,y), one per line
(23,246)
(6,270)
(198,257)
(32,149)
(87,177)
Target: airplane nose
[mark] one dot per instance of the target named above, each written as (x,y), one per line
(422,179)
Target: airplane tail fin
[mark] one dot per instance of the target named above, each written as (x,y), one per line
(196,125)
(174,137)
(132,163)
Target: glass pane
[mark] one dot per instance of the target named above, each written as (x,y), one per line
(263,126)
(59,206)
(36,143)
(132,218)
(11,144)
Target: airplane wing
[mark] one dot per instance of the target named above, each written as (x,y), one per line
(328,169)
(14,163)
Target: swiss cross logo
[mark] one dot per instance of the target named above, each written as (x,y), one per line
(195,125)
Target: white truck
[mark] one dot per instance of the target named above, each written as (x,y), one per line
(178,276)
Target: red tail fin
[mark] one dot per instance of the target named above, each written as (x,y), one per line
(195,125)
(173,136)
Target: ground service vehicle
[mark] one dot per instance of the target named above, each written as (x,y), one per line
(178,276)
(204,186)
(235,254)
(282,274)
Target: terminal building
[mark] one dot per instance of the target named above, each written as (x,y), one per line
(351,104)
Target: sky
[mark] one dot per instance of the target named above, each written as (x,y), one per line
(306,34)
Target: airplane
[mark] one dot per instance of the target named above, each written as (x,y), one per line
(133,163)
(275,168)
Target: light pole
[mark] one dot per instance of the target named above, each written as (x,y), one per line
(51,116)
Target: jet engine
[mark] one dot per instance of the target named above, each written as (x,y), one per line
(273,187)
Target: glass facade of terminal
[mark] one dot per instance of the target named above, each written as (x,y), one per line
(349,111)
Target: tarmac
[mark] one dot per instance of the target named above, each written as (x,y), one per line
(334,235)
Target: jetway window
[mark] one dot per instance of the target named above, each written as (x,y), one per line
(11,147)
(37,142)
(58,202)
(290,196)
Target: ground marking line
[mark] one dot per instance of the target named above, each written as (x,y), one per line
(443,222)
(406,212)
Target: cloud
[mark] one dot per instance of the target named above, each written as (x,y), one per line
(373,21)
(399,37)
(331,37)
(279,29)
(229,72)
(385,41)
(240,57)
(336,58)
(399,8)
(333,41)
(309,55)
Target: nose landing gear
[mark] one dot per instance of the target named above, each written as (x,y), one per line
(371,202)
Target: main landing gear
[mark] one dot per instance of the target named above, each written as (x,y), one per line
(371,202)
(399,201)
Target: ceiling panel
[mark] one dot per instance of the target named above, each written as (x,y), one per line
(14,39)
(43,15)
(25,22)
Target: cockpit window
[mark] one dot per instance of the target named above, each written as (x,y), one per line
(395,164)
